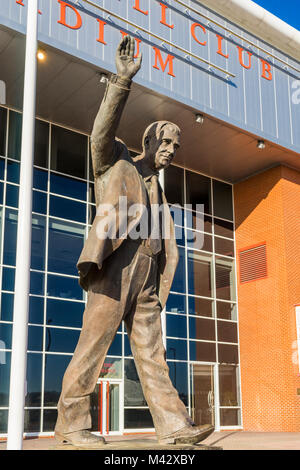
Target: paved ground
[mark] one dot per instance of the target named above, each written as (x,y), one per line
(236,440)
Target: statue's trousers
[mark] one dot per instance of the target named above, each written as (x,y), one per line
(124,289)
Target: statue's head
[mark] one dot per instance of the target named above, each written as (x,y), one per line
(160,143)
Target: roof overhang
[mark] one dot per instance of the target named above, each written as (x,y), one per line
(260,22)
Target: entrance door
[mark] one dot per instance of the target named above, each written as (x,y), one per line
(108,393)
(202,393)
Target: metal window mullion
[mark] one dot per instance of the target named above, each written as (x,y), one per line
(46,278)
(216,367)
(239,380)
(186,291)
(4,199)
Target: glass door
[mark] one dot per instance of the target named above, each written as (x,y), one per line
(202,393)
(106,407)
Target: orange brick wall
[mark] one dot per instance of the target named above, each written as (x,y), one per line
(267,209)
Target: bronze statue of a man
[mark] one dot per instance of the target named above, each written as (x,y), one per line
(127,278)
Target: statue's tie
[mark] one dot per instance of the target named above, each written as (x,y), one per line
(155,200)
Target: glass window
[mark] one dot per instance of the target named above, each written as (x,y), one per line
(179,235)
(200,274)
(39,202)
(2,167)
(4,380)
(10,237)
(14,135)
(225,279)
(36,310)
(223,228)
(224,247)
(133,393)
(204,352)
(70,187)
(226,310)
(174,185)
(177,349)
(228,383)
(1,193)
(34,380)
(179,278)
(179,377)
(67,209)
(198,221)
(3,117)
(3,419)
(7,307)
(127,347)
(35,338)
(112,368)
(137,418)
(201,328)
(228,354)
(199,241)
(8,279)
(61,340)
(41,143)
(177,214)
(116,346)
(5,335)
(176,326)
(64,287)
(91,193)
(1,223)
(64,247)
(68,152)
(32,420)
(227,332)
(49,421)
(38,242)
(40,179)
(13,172)
(198,192)
(222,200)
(64,313)
(176,303)
(55,367)
(230,417)
(37,283)
(91,213)
(12,195)
(201,307)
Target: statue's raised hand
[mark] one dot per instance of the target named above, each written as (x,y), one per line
(126,66)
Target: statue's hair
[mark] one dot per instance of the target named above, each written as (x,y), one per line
(155,129)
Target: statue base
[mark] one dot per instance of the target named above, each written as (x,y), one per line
(139,444)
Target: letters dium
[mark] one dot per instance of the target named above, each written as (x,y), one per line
(70,17)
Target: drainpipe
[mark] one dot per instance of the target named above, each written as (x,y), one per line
(22,281)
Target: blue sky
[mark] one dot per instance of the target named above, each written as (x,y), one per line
(287,10)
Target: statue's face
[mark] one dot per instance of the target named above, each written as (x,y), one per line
(160,152)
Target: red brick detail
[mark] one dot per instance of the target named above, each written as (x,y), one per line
(267,210)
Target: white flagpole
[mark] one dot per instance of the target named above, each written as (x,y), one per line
(22,280)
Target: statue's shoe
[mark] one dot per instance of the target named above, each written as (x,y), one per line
(83,439)
(188,435)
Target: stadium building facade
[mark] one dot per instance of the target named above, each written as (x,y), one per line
(228,74)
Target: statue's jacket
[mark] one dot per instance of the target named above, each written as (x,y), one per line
(117,176)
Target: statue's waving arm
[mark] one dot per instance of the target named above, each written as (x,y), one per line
(103,143)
